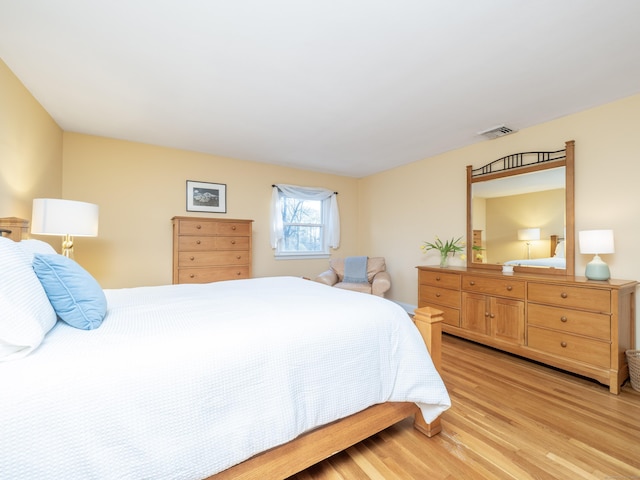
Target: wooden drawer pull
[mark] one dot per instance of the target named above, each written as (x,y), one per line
(238,257)
(563,344)
(233,242)
(192,275)
(564,295)
(437,295)
(563,319)
(233,227)
(437,278)
(486,314)
(472,282)
(192,258)
(198,227)
(239,273)
(509,288)
(197,242)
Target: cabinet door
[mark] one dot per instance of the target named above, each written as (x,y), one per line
(475,314)
(507,319)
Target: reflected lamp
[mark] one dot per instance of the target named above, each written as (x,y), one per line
(528,235)
(66,218)
(596,242)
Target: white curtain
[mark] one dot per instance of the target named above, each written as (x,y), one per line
(304,193)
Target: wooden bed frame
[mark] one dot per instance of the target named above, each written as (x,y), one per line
(313,447)
(316,445)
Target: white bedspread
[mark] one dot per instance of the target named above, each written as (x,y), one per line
(183,381)
(555,262)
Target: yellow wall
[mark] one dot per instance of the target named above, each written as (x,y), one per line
(139,188)
(427,198)
(30,149)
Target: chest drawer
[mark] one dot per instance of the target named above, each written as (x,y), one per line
(439,279)
(197,243)
(503,287)
(197,227)
(592,299)
(197,259)
(597,325)
(212,274)
(586,350)
(439,296)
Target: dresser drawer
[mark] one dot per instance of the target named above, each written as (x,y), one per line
(434,296)
(188,243)
(439,279)
(197,227)
(593,352)
(577,297)
(597,325)
(503,287)
(212,274)
(200,259)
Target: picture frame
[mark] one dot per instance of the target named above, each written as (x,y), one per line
(206,197)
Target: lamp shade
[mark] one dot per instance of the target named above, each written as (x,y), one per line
(529,234)
(53,216)
(596,241)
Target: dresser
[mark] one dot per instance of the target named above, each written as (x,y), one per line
(578,325)
(211,249)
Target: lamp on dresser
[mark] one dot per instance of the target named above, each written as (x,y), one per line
(66,218)
(596,242)
(528,235)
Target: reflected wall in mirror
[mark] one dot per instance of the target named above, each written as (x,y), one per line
(520,212)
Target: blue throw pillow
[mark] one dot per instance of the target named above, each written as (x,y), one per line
(75,295)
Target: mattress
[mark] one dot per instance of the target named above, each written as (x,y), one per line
(183,381)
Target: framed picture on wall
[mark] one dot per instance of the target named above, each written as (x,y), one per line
(206,197)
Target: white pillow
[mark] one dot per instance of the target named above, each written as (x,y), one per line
(25,312)
(559,250)
(32,246)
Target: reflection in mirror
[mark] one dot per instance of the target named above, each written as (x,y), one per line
(522,213)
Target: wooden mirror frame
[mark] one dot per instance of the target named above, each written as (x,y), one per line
(513,165)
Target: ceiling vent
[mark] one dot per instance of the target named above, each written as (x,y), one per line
(495,132)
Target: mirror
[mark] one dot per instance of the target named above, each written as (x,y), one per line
(520,212)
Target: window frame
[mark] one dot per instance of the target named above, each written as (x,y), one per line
(281,254)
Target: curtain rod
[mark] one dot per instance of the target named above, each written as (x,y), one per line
(274,185)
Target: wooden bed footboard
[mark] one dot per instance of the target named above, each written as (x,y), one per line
(312,447)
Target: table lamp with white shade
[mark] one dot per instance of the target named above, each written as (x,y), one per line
(528,235)
(596,242)
(66,218)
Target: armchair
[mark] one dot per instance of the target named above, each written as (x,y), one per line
(379,280)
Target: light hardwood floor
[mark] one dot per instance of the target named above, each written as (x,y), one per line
(510,419)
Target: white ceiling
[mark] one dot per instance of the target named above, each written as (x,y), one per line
(351,87)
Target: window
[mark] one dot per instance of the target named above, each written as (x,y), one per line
(305,221)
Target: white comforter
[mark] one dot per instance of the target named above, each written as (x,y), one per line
(183,381)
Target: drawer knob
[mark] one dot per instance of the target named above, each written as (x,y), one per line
(472,282)
(563,319)
(437,278)
(192,258)
(486,314)
(198,227)
(197,242)
(233,227)
(509,288)
(564,295)
(492,315)
(437,295)
(238,257)
(192,275)
(233,242)
(239,273)
(563,344)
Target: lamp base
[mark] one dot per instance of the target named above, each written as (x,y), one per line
(597,269)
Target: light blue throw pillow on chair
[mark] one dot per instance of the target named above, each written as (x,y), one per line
(76,297)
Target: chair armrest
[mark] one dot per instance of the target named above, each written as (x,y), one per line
(381,283)
(328,278)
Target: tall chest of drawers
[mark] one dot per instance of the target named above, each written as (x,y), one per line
(572,323)
(211,249)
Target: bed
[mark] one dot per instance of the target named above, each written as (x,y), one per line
(555,260)
(255,378)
